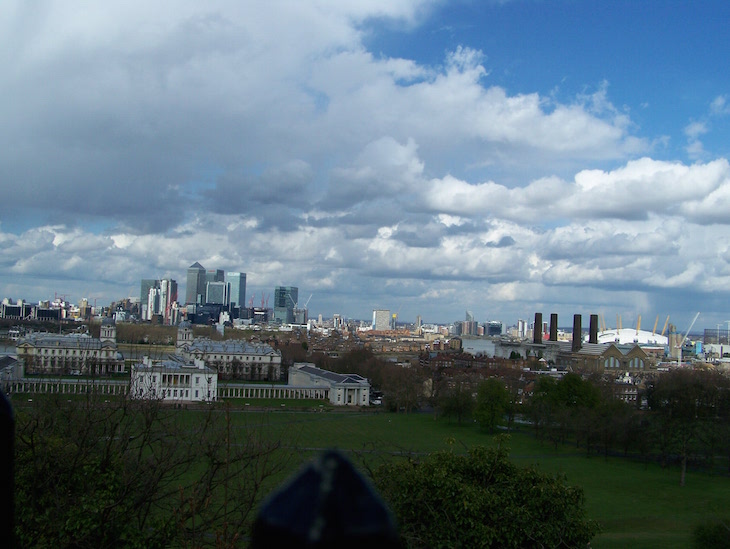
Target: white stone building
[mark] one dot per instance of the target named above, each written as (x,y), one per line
(344,389)
(46,353)
(232,358)
(174,379)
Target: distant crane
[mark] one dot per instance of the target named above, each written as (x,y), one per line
(679,354)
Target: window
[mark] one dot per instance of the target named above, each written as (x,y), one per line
(154,379)
(197,382)
(636,363)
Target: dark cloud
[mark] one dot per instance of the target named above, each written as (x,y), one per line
(504,242)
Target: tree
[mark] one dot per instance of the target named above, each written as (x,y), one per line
(492,402)
(684,403)
(559,406)
(456,398)
(96,473)
(482,500)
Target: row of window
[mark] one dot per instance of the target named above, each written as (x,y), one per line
(232,357)
(178,379)
(74,352)
(613,362)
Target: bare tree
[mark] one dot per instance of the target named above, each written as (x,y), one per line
(143,474)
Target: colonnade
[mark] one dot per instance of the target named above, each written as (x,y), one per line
(67,387)
(272,391)
(111,387)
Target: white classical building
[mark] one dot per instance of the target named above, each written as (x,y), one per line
(46,353)
(234,359)
(344,389)
(174,379)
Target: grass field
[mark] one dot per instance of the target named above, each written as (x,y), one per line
(638,505)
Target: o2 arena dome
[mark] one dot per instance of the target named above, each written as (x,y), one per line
(632,335)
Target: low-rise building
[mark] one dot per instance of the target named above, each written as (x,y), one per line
(232,358)
(79,354)
(344,389)
(174,379)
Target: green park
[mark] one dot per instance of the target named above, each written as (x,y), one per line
(162,469)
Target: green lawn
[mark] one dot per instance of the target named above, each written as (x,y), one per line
(638,505)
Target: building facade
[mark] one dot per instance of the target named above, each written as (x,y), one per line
(344,389)
(195,284)
(216,293)
(158,298)
(74,354)
(286,299)
(232,359)
(173,379)
(237,284)
(381,320)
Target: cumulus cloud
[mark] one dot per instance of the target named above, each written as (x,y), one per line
(139,138)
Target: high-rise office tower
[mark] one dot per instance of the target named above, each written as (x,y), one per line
(157,298)
(286,299)
(217,293)
(381,319)
(195,289)
(168,296)
(237,295)
(215,275)
(144,293)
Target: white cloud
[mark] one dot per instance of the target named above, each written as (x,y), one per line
(266,137)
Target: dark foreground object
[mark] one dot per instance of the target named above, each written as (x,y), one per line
(327,505)
(7,440)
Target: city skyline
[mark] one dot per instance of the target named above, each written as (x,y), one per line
(420,156)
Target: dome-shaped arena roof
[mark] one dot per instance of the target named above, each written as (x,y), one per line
(632,335)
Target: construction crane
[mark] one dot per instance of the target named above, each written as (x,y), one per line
(679,354)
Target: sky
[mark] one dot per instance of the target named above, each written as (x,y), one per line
(427,157)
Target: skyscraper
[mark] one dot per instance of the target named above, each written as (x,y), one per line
(195,289)
(157,298)
(237,293)
(216,293)
(286,298)
(381,320)
(214,275)
(144,293)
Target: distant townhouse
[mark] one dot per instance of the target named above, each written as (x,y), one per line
(80,354)
(173,379)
